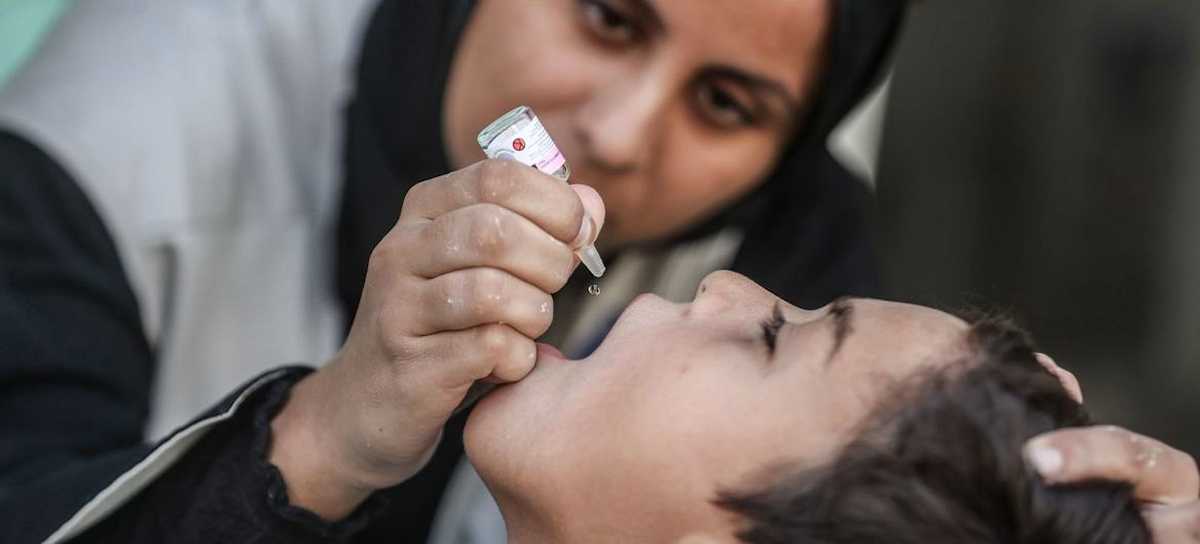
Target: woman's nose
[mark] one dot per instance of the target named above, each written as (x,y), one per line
(618,127)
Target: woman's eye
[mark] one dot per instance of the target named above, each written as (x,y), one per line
(722,108)
(770,328)
(608,23)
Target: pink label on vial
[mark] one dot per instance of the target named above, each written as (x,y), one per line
(554,163)
(528,142)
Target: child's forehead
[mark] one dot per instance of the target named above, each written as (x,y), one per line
(896,324)
(898,340)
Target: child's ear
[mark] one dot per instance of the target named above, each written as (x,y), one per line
(1065,377)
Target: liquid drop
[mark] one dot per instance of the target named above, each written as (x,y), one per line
(594,289)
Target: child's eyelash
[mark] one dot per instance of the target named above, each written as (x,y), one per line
(771,326)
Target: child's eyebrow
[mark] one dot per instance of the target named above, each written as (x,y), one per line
(842,312)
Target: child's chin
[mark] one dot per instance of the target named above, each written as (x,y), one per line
(493,437)
(475,433)
(486,423)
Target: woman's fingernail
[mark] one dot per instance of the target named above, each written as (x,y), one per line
(1046,460)
(586,230)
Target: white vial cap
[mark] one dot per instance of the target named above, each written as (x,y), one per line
(591,259)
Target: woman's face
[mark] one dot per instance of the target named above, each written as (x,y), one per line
(684,400)
(670,109)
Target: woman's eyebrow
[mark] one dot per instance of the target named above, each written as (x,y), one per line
(649,13)
(842,312)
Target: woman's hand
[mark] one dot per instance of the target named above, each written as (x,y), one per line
(455,293)
(1164,479)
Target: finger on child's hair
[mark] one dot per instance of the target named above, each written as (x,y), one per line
(1159,473)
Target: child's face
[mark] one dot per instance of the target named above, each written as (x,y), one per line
(670,109)
(683,400)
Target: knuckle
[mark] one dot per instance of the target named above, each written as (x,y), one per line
(1131,449)
(461,287)
(486,288)
(517,362)
(1113,445)
(496,178)
(418,192)
(494,342)
(381,255)
(413,197)
(392,322)
(437,237)
(488,231)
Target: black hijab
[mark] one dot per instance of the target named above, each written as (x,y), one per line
(807,236)
(806,231)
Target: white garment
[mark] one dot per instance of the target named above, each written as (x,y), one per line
(208,136)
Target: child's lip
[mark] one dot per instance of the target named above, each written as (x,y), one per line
(546,350)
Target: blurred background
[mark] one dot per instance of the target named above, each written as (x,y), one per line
(1038,157)
(1044,158)
(22,23)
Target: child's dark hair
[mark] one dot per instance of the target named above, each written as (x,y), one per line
(942,463)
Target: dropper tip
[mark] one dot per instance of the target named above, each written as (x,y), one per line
(591,259)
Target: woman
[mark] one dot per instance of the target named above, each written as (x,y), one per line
(175,201)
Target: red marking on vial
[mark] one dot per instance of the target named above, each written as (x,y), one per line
(519,144)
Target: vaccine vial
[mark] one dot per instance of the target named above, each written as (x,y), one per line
(520,136)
